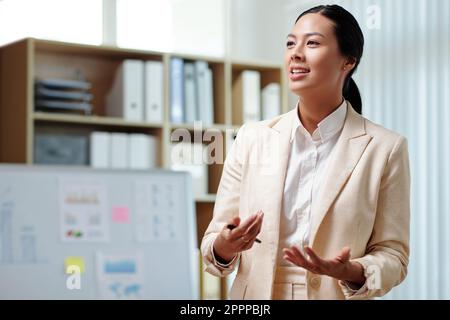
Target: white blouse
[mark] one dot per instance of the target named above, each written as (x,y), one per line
(305,174)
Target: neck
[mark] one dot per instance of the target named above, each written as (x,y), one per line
(313,109)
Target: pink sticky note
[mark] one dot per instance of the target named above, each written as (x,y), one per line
(120,214)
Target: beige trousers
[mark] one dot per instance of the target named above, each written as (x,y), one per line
(289,283)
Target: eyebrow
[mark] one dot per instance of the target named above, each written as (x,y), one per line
(306,34)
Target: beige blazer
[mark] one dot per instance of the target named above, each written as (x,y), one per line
(364,204)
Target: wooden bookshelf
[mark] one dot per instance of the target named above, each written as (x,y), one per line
(23,61)
(97,121)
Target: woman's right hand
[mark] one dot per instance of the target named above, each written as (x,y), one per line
(230,242)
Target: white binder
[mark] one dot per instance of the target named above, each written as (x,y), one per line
(99,149)
(252,100)
(177,108)
(247,97)
(119,150)
(154,91)
(208,114)
(126,97)
(203,100)
(271,104)
(190,93)
(142,151)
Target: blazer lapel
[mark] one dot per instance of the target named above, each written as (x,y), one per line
(276,141)
(348,150)
(279,143)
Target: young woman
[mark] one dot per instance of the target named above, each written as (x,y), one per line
(325,190)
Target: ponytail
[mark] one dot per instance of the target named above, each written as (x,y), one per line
(351,93)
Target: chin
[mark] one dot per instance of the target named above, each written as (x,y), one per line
(298,89)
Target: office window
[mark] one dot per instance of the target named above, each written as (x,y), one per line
(65,20)
(188,26)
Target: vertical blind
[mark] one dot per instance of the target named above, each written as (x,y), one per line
(404,81)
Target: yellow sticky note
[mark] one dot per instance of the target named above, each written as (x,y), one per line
(74,261)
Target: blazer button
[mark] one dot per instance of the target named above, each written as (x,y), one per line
(314,282)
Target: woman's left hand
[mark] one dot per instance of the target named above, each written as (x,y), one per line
(340,267)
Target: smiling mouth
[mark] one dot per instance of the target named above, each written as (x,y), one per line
(299,71)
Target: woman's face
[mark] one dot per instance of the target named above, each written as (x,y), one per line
(313,61)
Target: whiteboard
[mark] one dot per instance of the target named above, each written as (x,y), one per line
(130,234)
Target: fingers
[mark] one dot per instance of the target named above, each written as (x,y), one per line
(249,237)
(237,233)
(315,264)
(303,259)
(235,221)
(246,245)
(226,232)
(254,229)
(253,223)
(239,237)
(260,226)
(294,255)
(344,255)
(290,256)
(315,259)
(244,226)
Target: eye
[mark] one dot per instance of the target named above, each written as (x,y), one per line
(312,42)
(289,43)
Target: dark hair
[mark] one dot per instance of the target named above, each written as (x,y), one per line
(351,43)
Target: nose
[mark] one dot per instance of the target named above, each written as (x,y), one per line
(297,54)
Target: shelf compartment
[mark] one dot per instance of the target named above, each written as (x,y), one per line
(219,84)
(97,65)
(269,73)
(84,130)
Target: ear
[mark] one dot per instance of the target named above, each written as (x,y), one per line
(349,64)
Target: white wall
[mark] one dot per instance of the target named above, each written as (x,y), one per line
(186,26)
(257,30)
(244,29)
(68,20)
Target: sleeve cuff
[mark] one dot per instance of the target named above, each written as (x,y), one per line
(354,289)
(221,265)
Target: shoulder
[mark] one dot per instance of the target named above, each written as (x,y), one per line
(381,133)
(362,125)
(384,138)
(261,133)
(260,127)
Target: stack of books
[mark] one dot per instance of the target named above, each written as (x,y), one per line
(63,95)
